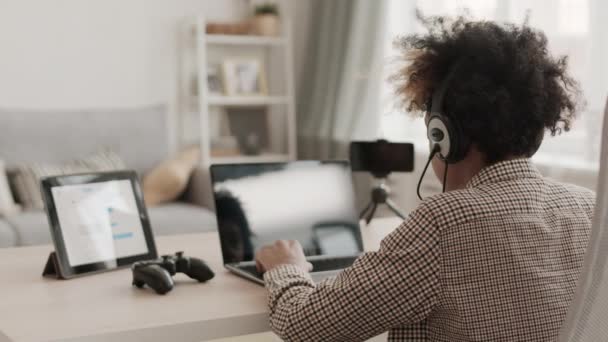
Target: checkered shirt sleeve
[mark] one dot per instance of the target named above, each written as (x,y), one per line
(366,299)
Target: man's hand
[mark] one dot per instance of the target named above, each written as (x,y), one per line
(281,252)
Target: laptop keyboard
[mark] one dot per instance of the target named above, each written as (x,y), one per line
(251,269)
(320,265)
(332,263)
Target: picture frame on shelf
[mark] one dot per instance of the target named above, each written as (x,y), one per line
(244,77)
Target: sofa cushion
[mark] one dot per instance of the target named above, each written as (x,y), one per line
(8,238)
(26,178)
(31,227)
(168,180)
(181,218)
(139,135)
(7,201)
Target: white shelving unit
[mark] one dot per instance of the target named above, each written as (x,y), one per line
(225,39)
(200,112)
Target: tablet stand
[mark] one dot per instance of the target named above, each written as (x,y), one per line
(51,269)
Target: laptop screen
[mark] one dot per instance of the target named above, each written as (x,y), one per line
(308,201)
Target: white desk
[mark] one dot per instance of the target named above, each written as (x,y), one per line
(106,307)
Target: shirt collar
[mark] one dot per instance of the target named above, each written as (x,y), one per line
(504,171)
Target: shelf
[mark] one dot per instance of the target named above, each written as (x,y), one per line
(263,158)
(271,114)
(216,100)
(226,39)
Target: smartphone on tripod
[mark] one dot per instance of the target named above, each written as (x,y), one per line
(380,158)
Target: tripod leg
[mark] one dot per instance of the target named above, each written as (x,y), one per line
(368,207)
(394,208)
(369,217)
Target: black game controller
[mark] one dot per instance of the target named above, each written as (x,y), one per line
(157,273)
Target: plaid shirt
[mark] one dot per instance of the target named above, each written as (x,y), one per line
(497,261)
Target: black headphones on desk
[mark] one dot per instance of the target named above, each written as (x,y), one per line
(445,135)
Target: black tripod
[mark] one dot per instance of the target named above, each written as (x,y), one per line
(380,195)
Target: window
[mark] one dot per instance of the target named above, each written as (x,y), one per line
(573,27)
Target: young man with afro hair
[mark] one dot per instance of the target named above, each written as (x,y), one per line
(496,257)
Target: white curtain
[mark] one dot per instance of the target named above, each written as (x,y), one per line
(577,28)
(337,101)
(587,318)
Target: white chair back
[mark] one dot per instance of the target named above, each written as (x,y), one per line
(587,318)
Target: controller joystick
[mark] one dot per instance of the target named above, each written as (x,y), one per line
(157,274)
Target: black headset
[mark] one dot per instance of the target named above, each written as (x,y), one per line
(445,135)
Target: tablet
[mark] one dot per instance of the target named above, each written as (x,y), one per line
(98,221)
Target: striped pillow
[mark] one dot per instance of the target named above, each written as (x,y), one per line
(26,179)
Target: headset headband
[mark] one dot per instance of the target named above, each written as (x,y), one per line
(439,94)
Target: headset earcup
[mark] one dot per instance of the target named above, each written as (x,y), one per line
(438,134)
(454,145)
(458,140)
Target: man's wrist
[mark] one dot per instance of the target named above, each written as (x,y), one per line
(295,264)
(285,270)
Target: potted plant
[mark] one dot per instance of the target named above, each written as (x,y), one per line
(266,20)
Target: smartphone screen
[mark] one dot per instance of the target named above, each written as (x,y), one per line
(381,156)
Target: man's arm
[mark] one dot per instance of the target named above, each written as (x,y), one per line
(395,286)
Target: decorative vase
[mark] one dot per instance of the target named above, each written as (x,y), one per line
(266,25)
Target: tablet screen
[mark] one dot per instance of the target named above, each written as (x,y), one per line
(100,221)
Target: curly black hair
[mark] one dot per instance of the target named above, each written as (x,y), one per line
(506,90)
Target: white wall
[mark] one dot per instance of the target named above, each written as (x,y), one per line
(75,54)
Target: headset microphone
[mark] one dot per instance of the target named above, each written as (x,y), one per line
(431,156)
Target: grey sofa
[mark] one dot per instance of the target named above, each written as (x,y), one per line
(140,136)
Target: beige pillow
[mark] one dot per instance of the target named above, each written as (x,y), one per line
(169,179)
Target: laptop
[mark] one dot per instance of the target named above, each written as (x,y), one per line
(308,201)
